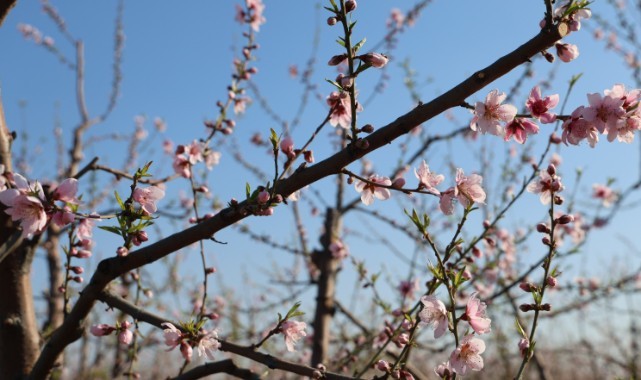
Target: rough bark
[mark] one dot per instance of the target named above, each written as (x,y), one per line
(325,308)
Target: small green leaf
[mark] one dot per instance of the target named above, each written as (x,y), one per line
(248,190)
(119,200)
(359,44)
(519,328)
(340,88)
(340,42)
(112,229)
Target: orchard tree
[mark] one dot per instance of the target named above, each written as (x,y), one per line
(463,237)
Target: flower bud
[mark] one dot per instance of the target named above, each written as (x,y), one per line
(555,139)
(551,170)
(525,307)
(350,5)
(362,144)
(308,155)
(398,183)
(558,200)
(374,59)
(546,307)
(337,59)
(543,228)
(263,197)
(527,287)
(565,219)
(122,251)
(367,128)
(551,281)
(331,21)
(548,56)
(546,240)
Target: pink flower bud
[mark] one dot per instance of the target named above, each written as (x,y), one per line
(552,281)
(350,5)
(367,128)
(398,183)
(566,52)
(375,59)
(382,365)
(331,21)
(101,329)
(565,219)
(337,59)
(309,156)
(263,197)
(122,251)
(542,228)
(126,336)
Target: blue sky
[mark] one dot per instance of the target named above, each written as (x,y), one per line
(177,64)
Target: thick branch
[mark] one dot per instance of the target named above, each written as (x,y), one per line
(5,7)
(110,269)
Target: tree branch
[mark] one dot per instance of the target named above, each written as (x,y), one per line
(111,268)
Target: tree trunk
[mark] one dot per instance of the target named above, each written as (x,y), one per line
(325,308)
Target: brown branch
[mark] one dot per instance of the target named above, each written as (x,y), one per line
(111,268)
(224,366)
(245,351)
(5,7)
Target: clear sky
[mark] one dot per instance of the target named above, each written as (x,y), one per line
(177,64)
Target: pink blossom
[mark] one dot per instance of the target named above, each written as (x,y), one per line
(293,331)
(396,19)
(605,194)
(160,124)
(475,315)
(338,249)
(444,371)
(168,146)
(195,151)
(66,191)
(147,197)
(576,128)
(489,114)
(574,18)
(603,112)
(172,335)
(369,191)
(467,190)
(186,351)
(84,231)
(25,205)
(520,128)
(547,185)
(63,217)
(434,313)
(341,109)
(287,147)
(101,329)
(468,355)
(428,180)
(181,166)
(212,158)
(408,288)
(208,344)
(539,107)
(240,104)
(566,52)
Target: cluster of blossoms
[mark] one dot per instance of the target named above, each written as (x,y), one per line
(206,342)
(125,336)
(616,114)
(30,32)
(467,356)
(253,15)
(28,204)
(467,189)
(490,115)
(187,156)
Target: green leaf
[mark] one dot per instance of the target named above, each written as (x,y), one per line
(248,190)
(574,79)
(359,44)
(340,88)
(340,42)
(112,229)
(119,200)
(519,328)
(273,137)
